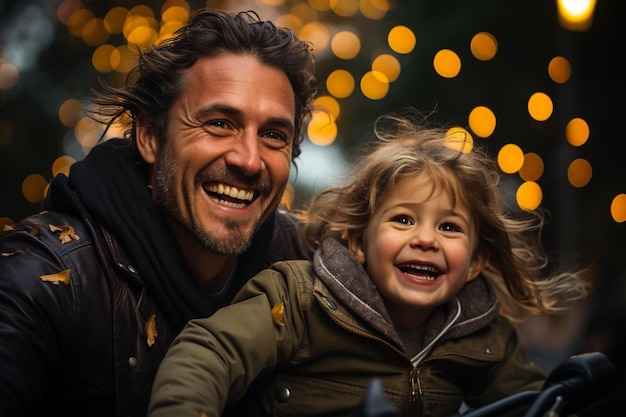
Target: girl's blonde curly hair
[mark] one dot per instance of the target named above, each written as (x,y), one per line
(405,146)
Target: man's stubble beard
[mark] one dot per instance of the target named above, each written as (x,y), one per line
(165,186)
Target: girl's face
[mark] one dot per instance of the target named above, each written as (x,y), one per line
(418,249)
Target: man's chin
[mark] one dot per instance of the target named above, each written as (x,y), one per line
(233,243)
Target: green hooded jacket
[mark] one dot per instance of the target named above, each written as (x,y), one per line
(317,333)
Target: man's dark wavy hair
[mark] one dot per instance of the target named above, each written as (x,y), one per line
(155,83)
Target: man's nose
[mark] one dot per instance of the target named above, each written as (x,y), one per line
(245,154)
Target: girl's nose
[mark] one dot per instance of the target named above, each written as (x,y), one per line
(424,238)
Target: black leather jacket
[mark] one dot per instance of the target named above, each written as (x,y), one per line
(74,338)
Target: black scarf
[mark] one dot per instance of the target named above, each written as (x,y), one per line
(111,186)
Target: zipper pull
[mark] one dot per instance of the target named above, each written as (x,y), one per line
(416,388)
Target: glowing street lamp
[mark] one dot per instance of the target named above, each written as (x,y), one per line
(576,15)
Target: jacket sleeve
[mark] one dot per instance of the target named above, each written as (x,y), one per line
(213,360)
(36,306)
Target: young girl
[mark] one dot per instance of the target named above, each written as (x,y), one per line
(418,273)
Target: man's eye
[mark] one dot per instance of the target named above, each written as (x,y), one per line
(275,135)
(222,124)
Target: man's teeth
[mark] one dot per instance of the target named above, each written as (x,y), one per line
(232,192)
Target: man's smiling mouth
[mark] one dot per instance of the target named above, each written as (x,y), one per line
(228,195)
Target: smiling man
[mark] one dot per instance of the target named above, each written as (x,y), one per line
(159,227)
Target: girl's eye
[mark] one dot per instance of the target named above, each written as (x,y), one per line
(403,220)
(450,227)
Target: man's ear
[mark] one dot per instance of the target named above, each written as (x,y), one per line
(355,245)
(480,260)
(147,143)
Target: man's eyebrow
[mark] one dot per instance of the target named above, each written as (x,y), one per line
(282,122)
(219,108)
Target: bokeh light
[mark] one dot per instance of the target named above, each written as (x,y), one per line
(401,39)
(374,85)
(374,9)
(529,195)
(33,188)
(576,14)
(482,121)
(532,168)
(345,45)
(579,172)
(322,129)
(559,69)
(66,9)
(62,165)
(178,14)
(320,5)
(447,63)
(317,34)
(114,19)
(618,208)
(94,32)
(540,106)
(344,8)
(87,132)
(387,64)
(484,46)
(460,139)
(101,59)
(123,59)
(510,158)
(328,104)
(340,83)
(77,21)
(577,132)
(70,112)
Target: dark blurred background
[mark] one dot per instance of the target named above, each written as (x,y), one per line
(49,63)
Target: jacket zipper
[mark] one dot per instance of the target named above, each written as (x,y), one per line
(416,392)
(414,381)
(416,387)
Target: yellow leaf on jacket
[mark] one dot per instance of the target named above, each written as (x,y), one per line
(277,313)
(35,230)
(7,254)
(63,276)
(151,330)
(66,233)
